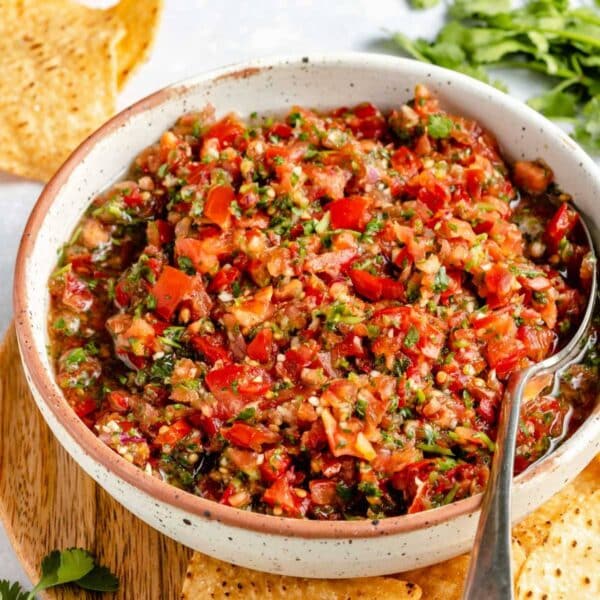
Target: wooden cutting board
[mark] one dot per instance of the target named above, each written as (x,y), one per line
(47,502)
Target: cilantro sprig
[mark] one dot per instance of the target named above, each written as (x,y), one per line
(545,36)
(73,565)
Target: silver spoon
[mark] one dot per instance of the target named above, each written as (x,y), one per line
(490,570)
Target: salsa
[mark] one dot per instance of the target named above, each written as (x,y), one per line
(316,316)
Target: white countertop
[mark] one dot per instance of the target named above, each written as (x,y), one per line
(197,35)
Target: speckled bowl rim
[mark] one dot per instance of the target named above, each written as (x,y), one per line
(50,393)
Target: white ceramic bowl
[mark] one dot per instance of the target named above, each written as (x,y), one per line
(279,544)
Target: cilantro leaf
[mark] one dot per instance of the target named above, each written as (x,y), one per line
(439,126)
(587,129)
(471,8)
(99,579)
(555,103)
(73,565)
(64,567)
(12,591)
(424,3)
(246,414)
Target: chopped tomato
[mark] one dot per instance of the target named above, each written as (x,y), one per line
(227,131)
(282,495)
(224,279)
(281,130)
(276,462)
(212,346)
(405,162)
(77,294)
(261,347)
(533,177)
(159,232)
(375,287)
(538,341)
(240,380)
(248,436)
(367,285)
(204,254)
(505,355)
(217,205)
(170,289)
(561,224)
(85,407)
(173,433)
(350,213)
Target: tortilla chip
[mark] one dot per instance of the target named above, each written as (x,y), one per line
(208,578)
(58,81)
(445,580)
(534,529)
(61,65)
(140,20)
(567,564)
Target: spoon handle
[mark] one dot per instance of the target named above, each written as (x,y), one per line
(490,569)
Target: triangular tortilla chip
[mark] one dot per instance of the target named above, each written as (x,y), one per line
(61,65)
(140,20)
(58,62)
(567,564)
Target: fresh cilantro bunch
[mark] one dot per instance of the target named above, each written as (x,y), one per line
(73,565)
(424,3)
(545,36)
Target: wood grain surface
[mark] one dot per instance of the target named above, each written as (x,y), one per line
(47,502)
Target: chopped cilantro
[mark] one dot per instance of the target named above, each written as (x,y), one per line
(246,414)
(441,281)
(439,126)
(412,337)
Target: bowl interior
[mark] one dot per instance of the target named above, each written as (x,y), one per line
(272,87)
